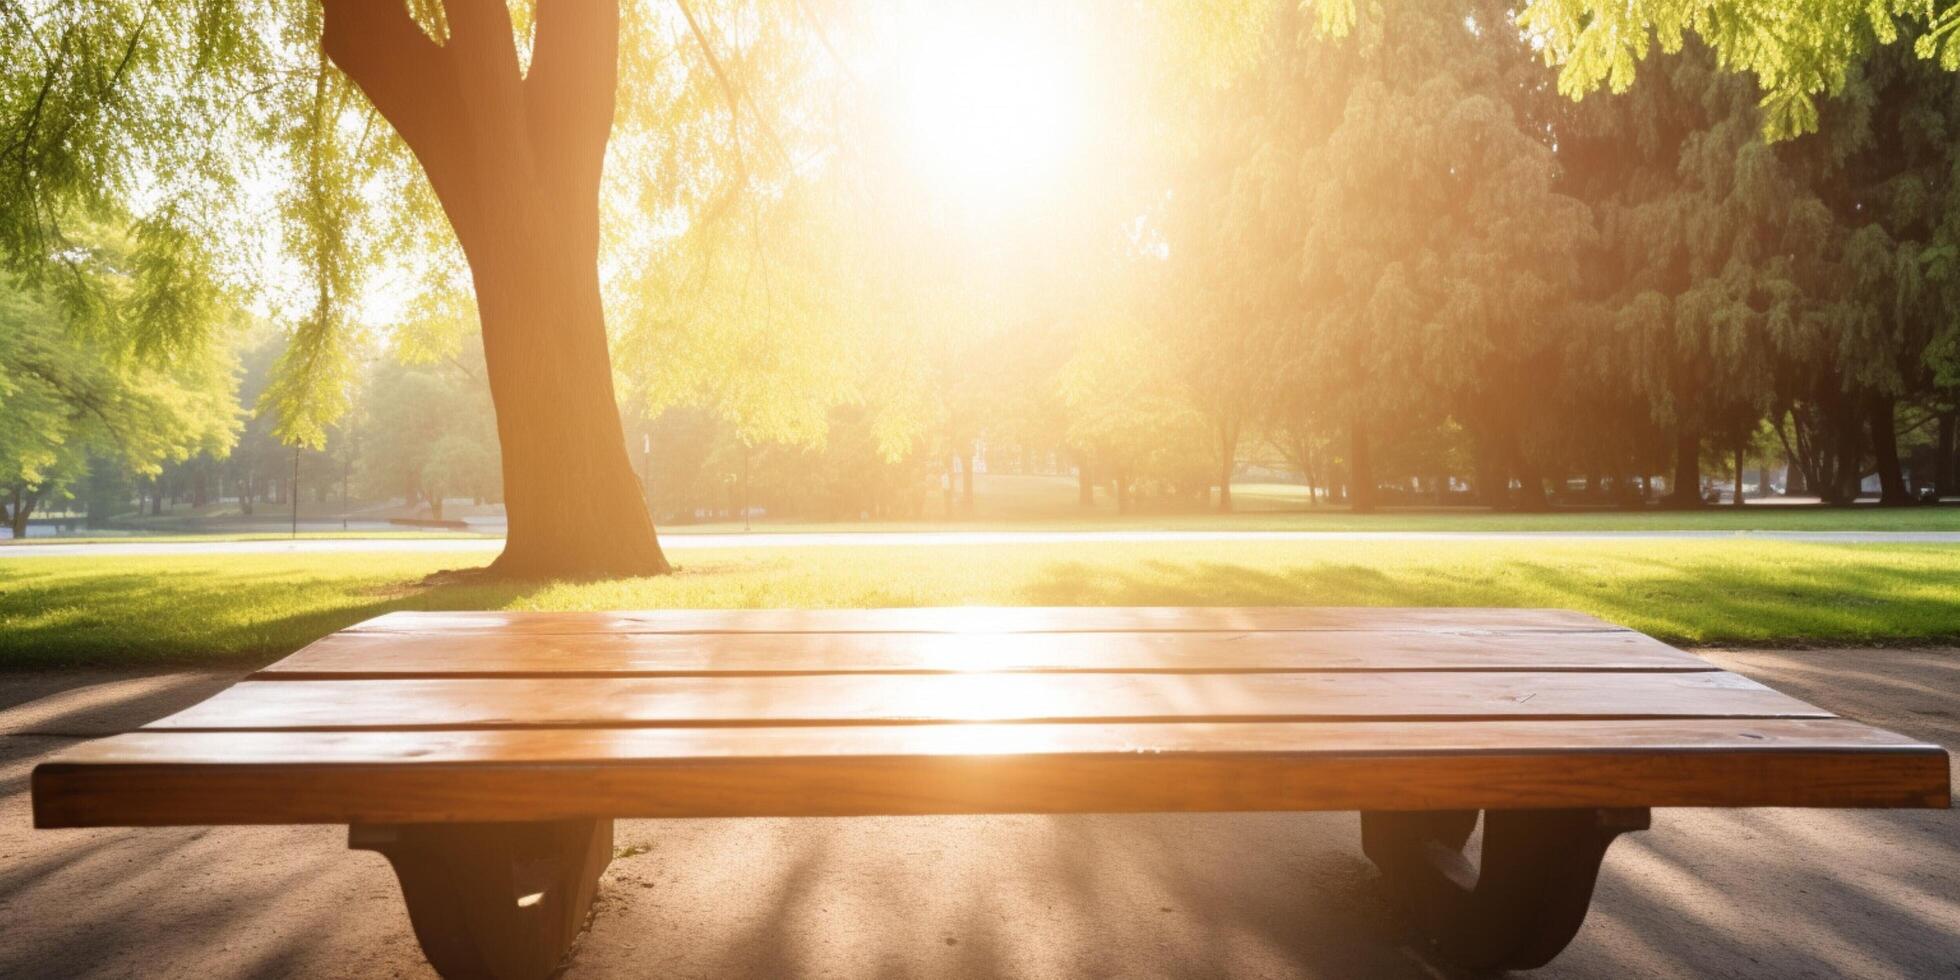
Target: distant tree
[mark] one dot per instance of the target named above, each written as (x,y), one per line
(77,392)
(680,479)
(427,434)
(458,464)
(1886,165)
(1129,409)
(258,460)
(1437,255)
(1226,279)
(1703,229)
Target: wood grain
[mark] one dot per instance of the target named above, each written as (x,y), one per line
(602,745)
(921,698)
(990,619)
(156,778)
(430,717)
(452,654)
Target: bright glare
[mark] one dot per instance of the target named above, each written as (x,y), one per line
(990,106)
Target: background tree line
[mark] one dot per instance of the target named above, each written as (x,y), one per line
(1444,261)
(1386,252)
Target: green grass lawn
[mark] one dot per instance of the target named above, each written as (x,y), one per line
(1756,517)
(1714,519)
(143,537)
(245,610)
(1015,502)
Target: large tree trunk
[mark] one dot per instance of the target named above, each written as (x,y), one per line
(23,509)
(516,160)
(11,510)
(1839,465)
(1885,448)
(1361,469)
(1686,491)
(1801,453)
(1794,483)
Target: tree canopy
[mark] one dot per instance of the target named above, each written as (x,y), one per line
(1379,242)
(88,382)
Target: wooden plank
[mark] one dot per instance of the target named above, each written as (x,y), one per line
(409,704)
(388,654)
(161,778)
(989,619)
(597,745)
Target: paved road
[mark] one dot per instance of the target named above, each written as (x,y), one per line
(1716,893)
(881,539)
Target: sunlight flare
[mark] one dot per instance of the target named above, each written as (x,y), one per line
(991,107)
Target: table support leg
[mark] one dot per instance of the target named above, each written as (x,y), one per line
(1525,900)
(494,900)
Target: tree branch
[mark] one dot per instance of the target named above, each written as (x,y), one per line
(397,66)
(571,93)
(482,52)
(729,91)
(427,91)
(823,36)
(483,25)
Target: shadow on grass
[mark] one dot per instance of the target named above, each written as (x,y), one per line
(244,612)
(1699,600)
(243,618)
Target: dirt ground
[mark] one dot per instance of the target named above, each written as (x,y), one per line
(1750,893)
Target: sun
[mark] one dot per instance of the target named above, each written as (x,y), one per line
(990,106)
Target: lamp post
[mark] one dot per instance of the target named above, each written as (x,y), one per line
(646,468)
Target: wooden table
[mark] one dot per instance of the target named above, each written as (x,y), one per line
(486,754)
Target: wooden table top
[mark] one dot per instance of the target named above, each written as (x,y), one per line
(428,717)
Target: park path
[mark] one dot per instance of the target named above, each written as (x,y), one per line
(683,541)
(1767,893)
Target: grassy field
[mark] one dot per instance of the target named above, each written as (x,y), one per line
(1714,519)
(1010,502)
(132,537)
(1751,518)
(246,610)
